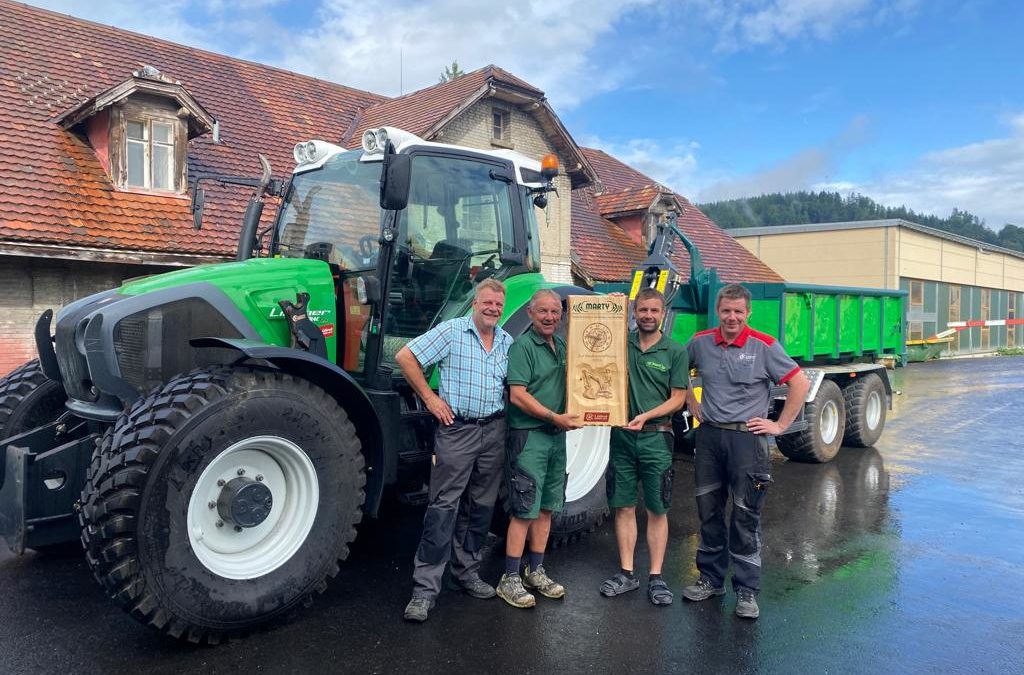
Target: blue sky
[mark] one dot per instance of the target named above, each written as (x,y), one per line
(911,102)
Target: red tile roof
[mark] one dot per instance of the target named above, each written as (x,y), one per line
(55,191)
(606,253)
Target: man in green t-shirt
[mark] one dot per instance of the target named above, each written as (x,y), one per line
(536,449)
(659,374)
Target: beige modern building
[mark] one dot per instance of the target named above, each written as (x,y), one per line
(953,281)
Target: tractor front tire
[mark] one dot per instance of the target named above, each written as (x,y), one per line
(826,420)
(222,501)
(28,399)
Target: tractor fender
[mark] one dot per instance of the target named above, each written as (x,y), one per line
(336,382)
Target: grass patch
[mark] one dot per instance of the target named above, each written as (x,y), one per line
(1010,351)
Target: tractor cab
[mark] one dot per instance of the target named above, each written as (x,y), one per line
(407,240)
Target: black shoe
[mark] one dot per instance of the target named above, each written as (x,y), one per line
(702,590)
(474,587)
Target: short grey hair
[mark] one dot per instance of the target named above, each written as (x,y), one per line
(543,293)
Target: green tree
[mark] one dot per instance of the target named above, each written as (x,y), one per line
(796,208)
(451,72)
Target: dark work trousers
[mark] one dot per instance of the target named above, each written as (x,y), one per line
(464,482)
(737,463)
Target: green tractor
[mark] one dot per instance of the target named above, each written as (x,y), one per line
(214,435)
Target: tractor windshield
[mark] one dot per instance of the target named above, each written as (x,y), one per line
(333,214)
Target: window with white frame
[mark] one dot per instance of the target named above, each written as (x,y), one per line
(149,154)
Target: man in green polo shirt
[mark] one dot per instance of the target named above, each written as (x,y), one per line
(659,373)
(536,449)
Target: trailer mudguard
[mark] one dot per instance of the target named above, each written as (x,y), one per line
(336,382)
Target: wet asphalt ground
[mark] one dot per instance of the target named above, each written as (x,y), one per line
(905,558)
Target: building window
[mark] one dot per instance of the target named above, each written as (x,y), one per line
(986,295)
(150,154)
(916,295)
(501,126)
(954,315)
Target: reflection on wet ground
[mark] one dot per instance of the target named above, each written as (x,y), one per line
(908,557)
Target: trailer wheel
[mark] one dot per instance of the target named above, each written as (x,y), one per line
(865,410)
(586,501)
(222,501)
(826,419)
(28,399)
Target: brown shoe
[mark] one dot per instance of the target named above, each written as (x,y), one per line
(511,590)
(538,580)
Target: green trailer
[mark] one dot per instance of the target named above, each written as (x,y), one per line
(841,336)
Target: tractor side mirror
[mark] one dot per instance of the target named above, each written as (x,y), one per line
(395,178)
(198,201)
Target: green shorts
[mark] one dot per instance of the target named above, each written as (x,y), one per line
(535,472)
(644,456)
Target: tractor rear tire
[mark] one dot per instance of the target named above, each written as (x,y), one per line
(28,399)
(826,420)
(159,520)
(865,410)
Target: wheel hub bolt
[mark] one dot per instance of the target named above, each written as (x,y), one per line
(212,505)
(241,472)
(221,483)
(238,528)
(220,523)
(259,477)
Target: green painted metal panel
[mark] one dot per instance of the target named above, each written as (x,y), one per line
(255,286)
(797,313)
(684,326)
(825,342)
(764,317)
(849,325)
(892,324)
(872,331)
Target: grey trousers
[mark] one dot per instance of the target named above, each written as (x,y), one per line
(464,482)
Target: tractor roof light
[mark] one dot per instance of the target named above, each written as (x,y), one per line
(549,166)
(375,141)
(311,152)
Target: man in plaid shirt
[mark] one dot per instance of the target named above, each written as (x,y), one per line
(469,445)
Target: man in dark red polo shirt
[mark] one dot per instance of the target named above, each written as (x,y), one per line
(737,367)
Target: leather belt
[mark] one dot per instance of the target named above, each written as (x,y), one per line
(480,420)
(661,428)
(729,426)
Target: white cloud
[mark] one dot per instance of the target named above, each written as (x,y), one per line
(984,178)
(672,164)
(164,20)
(743,24)
(545,43)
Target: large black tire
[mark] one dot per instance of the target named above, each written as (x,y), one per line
(28,399)
(865,410)
(579,517)
(826,420)
(138,500)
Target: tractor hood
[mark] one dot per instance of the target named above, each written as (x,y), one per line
(113,346)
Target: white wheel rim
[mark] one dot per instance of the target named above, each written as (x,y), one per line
(254,551)
(873,410)
(586,455)
(829,422)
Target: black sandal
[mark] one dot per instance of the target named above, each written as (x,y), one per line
(619,584)
(657,591)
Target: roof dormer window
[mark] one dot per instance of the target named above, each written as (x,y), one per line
(141,129)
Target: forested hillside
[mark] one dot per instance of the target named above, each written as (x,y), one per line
(797,208)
